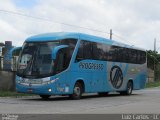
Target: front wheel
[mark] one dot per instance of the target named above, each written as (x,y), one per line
(77,92)
(45,96)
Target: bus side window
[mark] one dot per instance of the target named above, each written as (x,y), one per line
(80,52)
(62,60)
(128,55)
(96,51)
(87,50)
(138,57)
(100,51)
(84,51)
(133,56)
(143,57)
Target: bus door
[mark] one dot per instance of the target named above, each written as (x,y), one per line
(61,75)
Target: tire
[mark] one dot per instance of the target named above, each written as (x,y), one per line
(129,89)
(77,91)
(103,94)
(45,97)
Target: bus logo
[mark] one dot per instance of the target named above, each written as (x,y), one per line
(116,77)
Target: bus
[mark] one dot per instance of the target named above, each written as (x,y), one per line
(66,63)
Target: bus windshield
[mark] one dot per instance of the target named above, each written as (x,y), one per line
(35,59)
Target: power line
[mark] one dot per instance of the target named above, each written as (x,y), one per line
(121,38)
(62,23)
(48,20)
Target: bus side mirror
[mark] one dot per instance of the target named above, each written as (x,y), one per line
(56,49)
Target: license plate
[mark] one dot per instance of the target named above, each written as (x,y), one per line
(35,81)
(30,90)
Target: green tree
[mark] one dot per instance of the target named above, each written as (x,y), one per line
(153,62)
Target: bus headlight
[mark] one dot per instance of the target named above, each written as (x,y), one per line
(49,90)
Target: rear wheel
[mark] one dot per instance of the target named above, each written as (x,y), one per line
(45,96)
(77,91)
(129,89)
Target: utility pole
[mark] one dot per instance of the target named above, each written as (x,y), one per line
(154,59)
(111,34)
(154,70)
(155,45)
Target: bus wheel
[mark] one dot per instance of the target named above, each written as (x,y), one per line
(45,96)
(129,89)
(103,94)
(77,91)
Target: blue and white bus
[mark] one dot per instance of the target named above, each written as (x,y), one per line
(74,63)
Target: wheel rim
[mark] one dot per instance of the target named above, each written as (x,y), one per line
(77,91)
(130,88)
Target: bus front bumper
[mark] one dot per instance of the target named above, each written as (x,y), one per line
(36,89)
(42,86)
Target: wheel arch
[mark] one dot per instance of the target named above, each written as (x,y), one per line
(131,80)
(81,81)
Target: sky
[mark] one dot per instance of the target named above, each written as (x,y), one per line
(135,22)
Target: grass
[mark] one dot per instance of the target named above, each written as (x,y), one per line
(12,94)
(153,84)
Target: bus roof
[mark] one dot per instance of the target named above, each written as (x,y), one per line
(63,35)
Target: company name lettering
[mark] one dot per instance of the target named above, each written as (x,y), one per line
(91,66)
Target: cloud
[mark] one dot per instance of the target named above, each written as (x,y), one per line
(135,21)
(8,33)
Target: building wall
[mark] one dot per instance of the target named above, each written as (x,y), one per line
(7,81)
(0,51)
(150,73)
(7,57)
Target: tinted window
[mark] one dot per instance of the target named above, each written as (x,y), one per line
(87,50)
(98,51)
(142,57)
(133,56)
(84,51)
(80,52)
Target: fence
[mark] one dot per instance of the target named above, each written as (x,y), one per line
(7,78)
